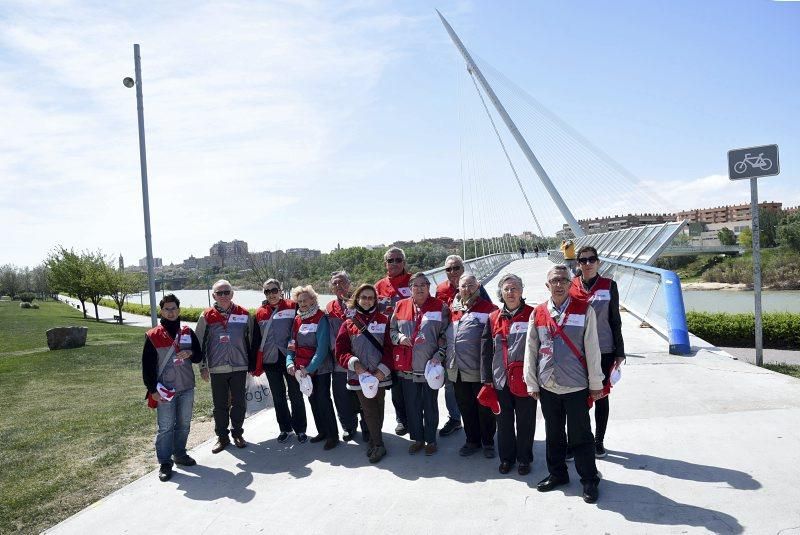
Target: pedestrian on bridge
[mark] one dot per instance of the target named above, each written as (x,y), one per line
(469,314)
(224,334)
(568,250)
(346,402)
(603,295)
(364,348)
(418,328)
(562,369)
(391,289)
(275,317)
(310,355)
(503,350)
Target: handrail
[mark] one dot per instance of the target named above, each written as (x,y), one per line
(482,267)
(675,329)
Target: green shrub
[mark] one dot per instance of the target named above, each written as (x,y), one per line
(781,330)
(187,313)
(26,297)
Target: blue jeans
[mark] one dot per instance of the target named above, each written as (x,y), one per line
(174,418)
(422,410)
(450,401)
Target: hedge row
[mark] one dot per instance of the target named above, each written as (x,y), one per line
(187,313)
(781,330)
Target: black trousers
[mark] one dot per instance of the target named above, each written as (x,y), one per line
(373,415)
(279,381)
(398,400)
(601,407)
(228,393)
(572,410)
(344,399)
(322,406)
(479,422)
(515,445)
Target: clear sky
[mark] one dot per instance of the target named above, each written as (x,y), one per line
(310,123)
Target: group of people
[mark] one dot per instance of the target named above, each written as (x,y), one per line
(494,364)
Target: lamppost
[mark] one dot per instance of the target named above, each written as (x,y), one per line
(130,82)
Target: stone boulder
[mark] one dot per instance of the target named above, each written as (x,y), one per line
(66,337)
(24,305)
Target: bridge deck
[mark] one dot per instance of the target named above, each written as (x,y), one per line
(700,444)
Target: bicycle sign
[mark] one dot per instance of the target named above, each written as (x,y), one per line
(753,162)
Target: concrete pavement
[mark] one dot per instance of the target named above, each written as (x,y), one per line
(697,444)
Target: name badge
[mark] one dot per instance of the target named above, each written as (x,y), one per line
(287,314)
(482,317)
(576,320)
(432,316)
(376,328)
(307,328)
(351,313)
(518,327)
(224,339)
(237,318)
(602,295)
(404,291)
(185,339)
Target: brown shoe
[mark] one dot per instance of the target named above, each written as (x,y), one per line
(415,447)
(430,449)
(239,441)
(222,443)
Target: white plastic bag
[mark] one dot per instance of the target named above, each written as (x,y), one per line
(258,394)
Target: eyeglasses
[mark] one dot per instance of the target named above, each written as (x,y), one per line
(395,260)
(587,260)
(454,268)
(223,292)
(559,281)
(170,309)
(273,291)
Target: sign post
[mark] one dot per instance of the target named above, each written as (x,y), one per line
(742,164)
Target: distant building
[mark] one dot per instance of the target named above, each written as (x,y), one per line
(157,263)
(302,252)
(724,214)
(615,222)
(229,254)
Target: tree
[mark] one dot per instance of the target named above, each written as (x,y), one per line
(10,280)
(788,232)
(122,285)
(768,221)
(98,278)
(726,236)
(67,274)
(39,281)
(746,238)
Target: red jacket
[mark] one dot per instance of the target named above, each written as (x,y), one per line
(446,292)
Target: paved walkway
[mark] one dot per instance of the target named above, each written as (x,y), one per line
(697,444)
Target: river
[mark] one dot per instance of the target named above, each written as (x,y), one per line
(697,300)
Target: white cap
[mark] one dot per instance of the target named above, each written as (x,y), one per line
(434,374)
(306,387)
(369,385)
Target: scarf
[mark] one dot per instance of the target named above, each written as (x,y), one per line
(510,313)
(463,306)
(222,310)
(366,311)
(308,313)
(172,327)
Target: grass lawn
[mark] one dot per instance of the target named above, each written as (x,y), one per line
(788,369)
(73,424)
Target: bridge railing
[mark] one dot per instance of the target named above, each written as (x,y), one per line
(654,296)
(482,267)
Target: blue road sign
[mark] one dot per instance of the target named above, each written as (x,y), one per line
(753,162)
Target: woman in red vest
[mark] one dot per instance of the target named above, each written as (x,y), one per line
(603,295)
(310,354)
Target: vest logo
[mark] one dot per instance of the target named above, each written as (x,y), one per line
(351,313)
(432,316)
(376,328)
(482,317)
(576,320)
(518,327)
(284,314)
(307,328)
(238,318)
(185,339)
(602,295)
(404,291)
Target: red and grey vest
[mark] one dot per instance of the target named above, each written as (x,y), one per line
(431,328)
(599,296)
(276,329)
(464,338)
(391,290)
(226,340)
(337,312)
(177,374)
(555,358)
(446,292)
(304,332)
(511,331)
(366,352)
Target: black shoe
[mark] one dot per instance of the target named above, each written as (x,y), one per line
(184,460)
(302,438)
(239,441)
(349,435)
(599,450)
(450,427)
(378,453)
(283,437)
(505,467)
(590,492)
(165,472)
(551,482)
(318,438)
(524,469)
(331,443)
(401,429)
(488,452)
(468,449)
(222,443)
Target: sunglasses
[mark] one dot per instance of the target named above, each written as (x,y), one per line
(395,260)
(588,260)
(454,268)
(272,291)
(223,292)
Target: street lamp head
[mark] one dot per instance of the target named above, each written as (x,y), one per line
(128,82)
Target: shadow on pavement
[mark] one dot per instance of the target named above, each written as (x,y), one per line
(208,484)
